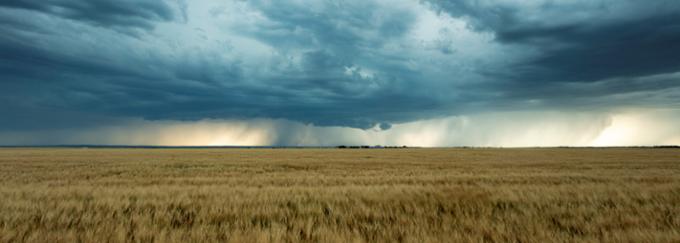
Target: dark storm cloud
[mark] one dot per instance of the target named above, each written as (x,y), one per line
(640,48)
(126,13)
(336,63)
(332,38)
(614,39)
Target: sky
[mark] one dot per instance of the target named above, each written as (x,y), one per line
(323,73)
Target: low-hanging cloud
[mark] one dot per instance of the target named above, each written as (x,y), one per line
(519,129)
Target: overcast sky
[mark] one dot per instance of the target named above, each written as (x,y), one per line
(421,73)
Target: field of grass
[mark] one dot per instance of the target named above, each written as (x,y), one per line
(333,195)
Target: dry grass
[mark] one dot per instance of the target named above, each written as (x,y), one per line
(328,195)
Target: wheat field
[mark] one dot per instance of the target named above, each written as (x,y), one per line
(335,195)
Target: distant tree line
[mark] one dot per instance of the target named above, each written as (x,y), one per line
(369,147)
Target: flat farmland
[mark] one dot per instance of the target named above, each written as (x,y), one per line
(339,195)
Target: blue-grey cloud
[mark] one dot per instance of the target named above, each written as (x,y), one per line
(361,64)
(581,41)
(126,13)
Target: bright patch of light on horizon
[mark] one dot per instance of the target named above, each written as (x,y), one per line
(215,133)
(641,128)
(619,133)
(503,129)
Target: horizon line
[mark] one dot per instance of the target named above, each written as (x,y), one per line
(96,146)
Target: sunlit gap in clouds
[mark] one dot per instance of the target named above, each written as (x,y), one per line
(656,127)
(500,129)
(215,134)
(511,129)
(201,133)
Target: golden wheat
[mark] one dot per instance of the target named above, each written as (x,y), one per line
(331,195)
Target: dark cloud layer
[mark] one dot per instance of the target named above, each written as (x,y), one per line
(126,13)
(614,39)
(361,64)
